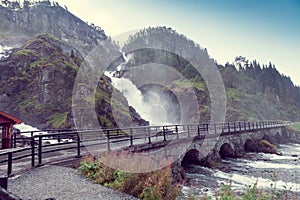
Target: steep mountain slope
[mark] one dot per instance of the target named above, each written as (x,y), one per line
(186,82)
(253,92)
(256,92)
(37,83)
(19,24)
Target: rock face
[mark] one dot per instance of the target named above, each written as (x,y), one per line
(37,85)
(18,25)
(178,173)
(49,44)
(137,118)
(37,80)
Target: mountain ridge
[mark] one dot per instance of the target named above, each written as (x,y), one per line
(19,25)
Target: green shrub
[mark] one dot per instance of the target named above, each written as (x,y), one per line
(152,185)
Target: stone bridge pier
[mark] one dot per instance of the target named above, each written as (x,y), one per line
(233,145)
(210,151)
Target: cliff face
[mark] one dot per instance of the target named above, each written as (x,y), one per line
(37,83)
(37,80)
(18,25)
(42,46)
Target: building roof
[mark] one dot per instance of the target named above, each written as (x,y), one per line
(8,119)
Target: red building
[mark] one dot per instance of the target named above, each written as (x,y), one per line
(6,122)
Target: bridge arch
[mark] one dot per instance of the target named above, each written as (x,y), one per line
(227,151)
(191,157)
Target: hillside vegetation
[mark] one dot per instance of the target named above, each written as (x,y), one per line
(254,91)
(37,84)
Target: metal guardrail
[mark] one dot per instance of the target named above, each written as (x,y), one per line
(128,136)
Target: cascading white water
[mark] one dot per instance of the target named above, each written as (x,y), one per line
(26,130)
(4,52)
(151,110)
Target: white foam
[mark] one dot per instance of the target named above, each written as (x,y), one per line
(268,165)
(27,129)
(277,157)
(54,141)
(239,180)
(4,52)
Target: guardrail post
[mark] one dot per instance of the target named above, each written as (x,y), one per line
(149,136)
(78,146)
(228,125)
(9,165)
(188,130)
(234,127)
(176,130)
(40,151)
(32,150)
(198,130)
(15,140)
(131,137)
(164,133)
(108,140)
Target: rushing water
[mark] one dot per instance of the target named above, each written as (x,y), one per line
(151,106)
(26,130)
(4,52)
(267,170)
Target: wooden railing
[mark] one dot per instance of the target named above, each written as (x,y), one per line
(107,139)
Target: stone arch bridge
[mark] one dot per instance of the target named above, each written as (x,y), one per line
(189,143)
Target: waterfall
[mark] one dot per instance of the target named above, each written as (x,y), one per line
(4,52)
(153,104)
(151,110)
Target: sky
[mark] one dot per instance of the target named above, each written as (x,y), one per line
(265,30)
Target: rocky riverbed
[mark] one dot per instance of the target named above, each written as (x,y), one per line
(267,170)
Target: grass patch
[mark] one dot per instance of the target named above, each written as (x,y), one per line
(26,52)
(152,185)
(58,120)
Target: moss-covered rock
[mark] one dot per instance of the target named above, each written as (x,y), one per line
(37,85)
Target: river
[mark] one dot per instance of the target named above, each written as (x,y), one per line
(267,170)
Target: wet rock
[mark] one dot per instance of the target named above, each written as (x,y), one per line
(54,20)
(137,118)
(178,173)
(265,146)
